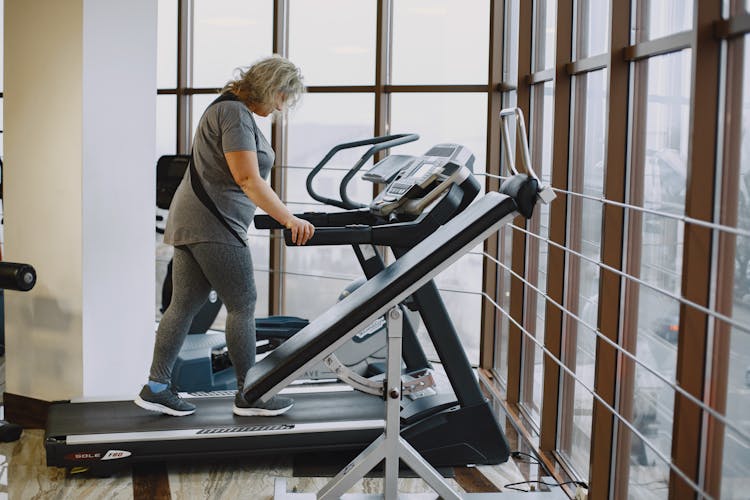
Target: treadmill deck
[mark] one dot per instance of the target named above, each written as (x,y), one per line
(104,435)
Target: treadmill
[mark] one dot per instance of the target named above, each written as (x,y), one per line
(100,436)
(384,215)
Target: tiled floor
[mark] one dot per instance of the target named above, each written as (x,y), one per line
(24,475)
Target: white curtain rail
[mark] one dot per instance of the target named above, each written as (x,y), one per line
(678,298)
(718,416)
(614,412)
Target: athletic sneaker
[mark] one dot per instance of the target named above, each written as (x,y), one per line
(166,401)
(276,406)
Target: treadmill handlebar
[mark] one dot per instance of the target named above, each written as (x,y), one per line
(322,219)
(358,234)
(362,227)
(378,144)
(17,276)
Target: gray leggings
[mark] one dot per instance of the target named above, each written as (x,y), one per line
(196,269)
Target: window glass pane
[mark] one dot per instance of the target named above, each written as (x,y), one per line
(540,138)
(166,125)
(502,322)
(593,33)
(510,37)
(649,474)
(505,256)
(333,41)
(442,117)
(321,122)
(440,41)
(545,28)
(659,185)
(229,34)
(665,169)
(666,17)
(315,276)
(736,462)
(166,44)
(586,177)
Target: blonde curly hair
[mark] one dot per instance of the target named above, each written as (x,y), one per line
(262,82)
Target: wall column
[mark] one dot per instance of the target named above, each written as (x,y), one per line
(79,119)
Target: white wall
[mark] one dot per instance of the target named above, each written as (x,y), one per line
(79,118)
(119,189)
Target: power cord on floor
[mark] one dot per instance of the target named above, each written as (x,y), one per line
(519,455)
(511,486)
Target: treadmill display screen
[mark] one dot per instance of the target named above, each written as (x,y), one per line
(445,152)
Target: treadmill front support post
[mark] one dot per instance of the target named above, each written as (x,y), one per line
(390,446)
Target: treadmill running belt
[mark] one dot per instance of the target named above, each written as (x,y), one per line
(97,418)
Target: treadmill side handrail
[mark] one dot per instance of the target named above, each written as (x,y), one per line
(380,143)
(545,192)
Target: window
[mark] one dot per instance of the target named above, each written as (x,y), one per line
(166,125)
(442,117)
(502,321)
(440,42)
(333,41)
(584,238)
(592,16)
(658,180)
(229,34)
(540,141)
(166,69)
(545,27)
(665,17)
(736,467)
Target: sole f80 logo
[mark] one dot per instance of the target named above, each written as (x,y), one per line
(97,455)
(84,455)
(116,454)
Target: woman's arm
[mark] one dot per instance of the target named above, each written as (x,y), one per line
(244,168)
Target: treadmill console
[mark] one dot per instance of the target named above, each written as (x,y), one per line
(386,169)
(422,179)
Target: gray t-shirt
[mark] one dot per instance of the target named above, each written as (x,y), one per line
(225,126)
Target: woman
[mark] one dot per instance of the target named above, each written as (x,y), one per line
(208,222)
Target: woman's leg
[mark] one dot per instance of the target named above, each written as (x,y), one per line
(190,289)
(229,269)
